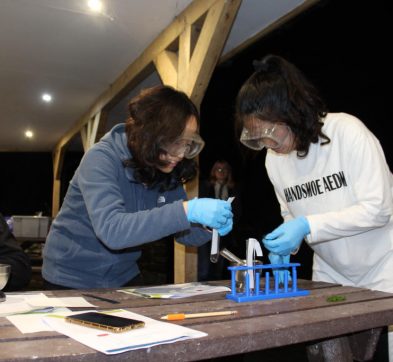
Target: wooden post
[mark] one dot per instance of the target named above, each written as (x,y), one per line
(190,70)
(89,132)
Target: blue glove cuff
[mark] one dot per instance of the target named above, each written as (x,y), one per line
(190,209)
(306,225)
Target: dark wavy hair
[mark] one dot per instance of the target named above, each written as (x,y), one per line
(279,92)
(158,116)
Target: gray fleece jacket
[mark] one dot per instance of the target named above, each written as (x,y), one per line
(105,215)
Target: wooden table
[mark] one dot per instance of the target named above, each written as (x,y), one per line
(257,326)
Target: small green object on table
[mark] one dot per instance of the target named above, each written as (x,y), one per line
(336,298)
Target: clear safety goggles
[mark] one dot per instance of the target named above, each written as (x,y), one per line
(188,146)
(256,136)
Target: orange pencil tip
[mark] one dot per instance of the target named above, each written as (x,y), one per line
(175,317)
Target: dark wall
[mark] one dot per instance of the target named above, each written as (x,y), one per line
(342,47)
(25,183)
(70,164)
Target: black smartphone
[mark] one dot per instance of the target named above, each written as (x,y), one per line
(104,321)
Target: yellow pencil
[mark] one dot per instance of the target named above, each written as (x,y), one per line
(181,316)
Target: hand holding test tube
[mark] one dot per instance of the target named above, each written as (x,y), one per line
(215,248)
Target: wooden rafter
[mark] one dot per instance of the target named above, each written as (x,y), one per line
(89,132)
(166,64)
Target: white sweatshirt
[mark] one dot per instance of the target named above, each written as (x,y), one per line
(345,189)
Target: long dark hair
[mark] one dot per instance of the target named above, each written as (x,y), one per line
(219,164)
(279,92)
(158,116)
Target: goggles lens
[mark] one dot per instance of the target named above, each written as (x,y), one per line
(186,146)
(258,137)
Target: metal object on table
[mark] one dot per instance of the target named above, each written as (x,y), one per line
(230,256)
(241,275)
(5,271)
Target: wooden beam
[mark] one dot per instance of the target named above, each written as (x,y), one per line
(125,81)
(56,197)
(186,263)
(208,49)
(58,158)
(186,257)
(84,138)
(184,59)
(101,129)
(89,132)
(167,64)
(202,46)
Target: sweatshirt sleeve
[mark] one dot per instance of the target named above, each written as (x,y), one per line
(371,181)
(114,225)
(195,236)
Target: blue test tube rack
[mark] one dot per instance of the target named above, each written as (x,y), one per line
(267,292)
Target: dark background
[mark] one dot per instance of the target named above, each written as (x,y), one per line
(342,47)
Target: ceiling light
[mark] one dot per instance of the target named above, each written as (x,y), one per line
(95,5)
(29,134)
(46,97)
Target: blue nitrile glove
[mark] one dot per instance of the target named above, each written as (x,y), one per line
(287,237)
(213,213)
(226,228)
(280,259)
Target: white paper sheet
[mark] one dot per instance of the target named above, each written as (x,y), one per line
(32,322)
(24,303)
(15,303)
(154,333)
(43,300)
(173,291)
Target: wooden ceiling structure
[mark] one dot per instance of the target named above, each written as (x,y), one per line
(184,55)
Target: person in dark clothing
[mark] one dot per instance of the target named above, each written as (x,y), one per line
(12,254)
(220,185)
